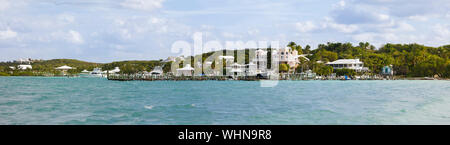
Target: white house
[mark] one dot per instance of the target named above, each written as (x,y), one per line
(115,70)
(237,69)
(157,71)
(354,64)
(24,67)
(64,69)
(227,58)
(185,71)
(260,60)
(26,60)
(288,56)
(207,69)
(251,69)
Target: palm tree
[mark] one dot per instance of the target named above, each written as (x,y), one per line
(292,45)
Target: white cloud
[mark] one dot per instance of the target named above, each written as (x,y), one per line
(252,31)
(418,18)
(404,27)
(442,30)
(230,35)
(388,37)
(125,33)
(340,4)
(66,18)
(406,8)
(382,17)
(137,26)
(363,37)
(441,34)
(75,37)
(7,34)
(155,20)
(4,4)
(326,25)
(206,27)
(359,14)
(344,28)
(147,5)
(119,22)
(305,26)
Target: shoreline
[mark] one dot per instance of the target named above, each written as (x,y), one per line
(228,79)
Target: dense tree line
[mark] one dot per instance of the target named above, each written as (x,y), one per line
(410,60)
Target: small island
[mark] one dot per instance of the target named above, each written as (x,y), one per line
(330,61)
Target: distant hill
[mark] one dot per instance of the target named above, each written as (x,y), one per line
(65,61)
(409,60)
(49,65)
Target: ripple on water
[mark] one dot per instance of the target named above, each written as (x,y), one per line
(40,100)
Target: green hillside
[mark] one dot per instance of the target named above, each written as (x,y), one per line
(409,60)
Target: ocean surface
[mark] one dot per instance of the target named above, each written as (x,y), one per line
(47,100)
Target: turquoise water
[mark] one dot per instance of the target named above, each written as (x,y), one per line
(41,100)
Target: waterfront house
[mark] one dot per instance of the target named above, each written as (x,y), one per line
(105,73)
(288,56)
(24,67)
(228,59)
(207,69)
(115,70)
(251,69)
(260,60)
(64,69)
(157,71)
(185,71)
(354,64)
(24,61)
(237,69)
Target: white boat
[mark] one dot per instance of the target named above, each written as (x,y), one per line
(97,72)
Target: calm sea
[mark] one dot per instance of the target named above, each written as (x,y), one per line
(45,100)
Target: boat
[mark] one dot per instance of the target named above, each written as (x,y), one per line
(97,72)
(347,78)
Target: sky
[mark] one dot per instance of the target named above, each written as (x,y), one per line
(115,30)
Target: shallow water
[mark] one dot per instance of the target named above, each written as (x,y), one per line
(46,100)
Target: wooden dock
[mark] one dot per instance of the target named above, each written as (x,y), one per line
(125,77)
(293,77)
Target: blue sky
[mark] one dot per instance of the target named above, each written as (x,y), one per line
(113,30)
